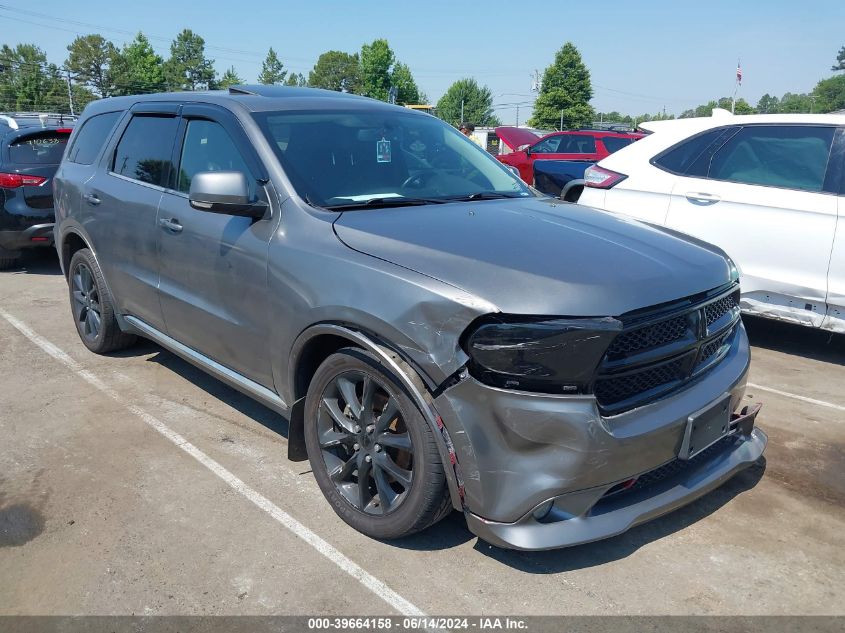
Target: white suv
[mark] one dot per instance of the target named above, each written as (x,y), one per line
(768,189)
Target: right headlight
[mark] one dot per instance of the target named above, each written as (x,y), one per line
(547,355)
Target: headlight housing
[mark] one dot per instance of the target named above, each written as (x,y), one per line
(547,355)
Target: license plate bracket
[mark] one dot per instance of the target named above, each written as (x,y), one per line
(706,426)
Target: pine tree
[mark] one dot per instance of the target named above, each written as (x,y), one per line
(565,93)
(272,69)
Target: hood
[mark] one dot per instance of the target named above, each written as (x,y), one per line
(515,137)
(539,256)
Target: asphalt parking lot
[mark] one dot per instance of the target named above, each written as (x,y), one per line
(136,484)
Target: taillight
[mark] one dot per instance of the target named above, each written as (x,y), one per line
(13,181)
(602,178)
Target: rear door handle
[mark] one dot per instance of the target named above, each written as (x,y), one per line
(170,224)
(92,199)
(697,197)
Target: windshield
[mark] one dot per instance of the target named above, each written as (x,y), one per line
(345,159)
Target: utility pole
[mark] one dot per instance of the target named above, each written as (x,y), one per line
(517,115)
(69,93)
(561,120)
(462,110)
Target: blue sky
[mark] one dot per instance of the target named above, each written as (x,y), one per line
(643,56)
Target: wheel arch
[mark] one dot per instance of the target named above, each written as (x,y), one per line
(571,188)
(317,343)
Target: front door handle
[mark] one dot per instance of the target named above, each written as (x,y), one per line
(170,224)
(92,199)
(702,199)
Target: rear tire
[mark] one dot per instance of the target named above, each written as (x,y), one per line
(92,307)
(359,421)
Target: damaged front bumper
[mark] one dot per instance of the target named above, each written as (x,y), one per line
(518,453)
(610,515)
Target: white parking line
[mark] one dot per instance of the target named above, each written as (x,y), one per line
(378,587)
(795,396)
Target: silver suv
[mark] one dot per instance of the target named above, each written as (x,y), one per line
(438,335)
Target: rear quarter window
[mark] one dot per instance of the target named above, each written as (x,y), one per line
(691,157)
(91,138)
(615,143)
(43,148)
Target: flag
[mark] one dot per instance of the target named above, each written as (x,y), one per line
(738,73)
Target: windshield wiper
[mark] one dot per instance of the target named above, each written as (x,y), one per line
(383,203)
(484,195)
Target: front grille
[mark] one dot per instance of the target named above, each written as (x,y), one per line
(660,350)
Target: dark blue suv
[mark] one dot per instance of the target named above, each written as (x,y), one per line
(31,148)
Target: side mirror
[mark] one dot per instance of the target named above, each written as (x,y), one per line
(225,192)
(524,148)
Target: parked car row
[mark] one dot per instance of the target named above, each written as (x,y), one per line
(768,189)
(555,163)
(439,335)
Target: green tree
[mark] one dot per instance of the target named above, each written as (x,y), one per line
(90,62)
(477,104)
(565,92)
(296,79)
(840,60)
(796,103)
(406,88)
(830,94)
(230,78)
(272,69)
(138,68)
(188,68)
(28,82)
(335,70)
(376,65)
(768,104)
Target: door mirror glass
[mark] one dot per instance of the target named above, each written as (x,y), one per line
(224,192)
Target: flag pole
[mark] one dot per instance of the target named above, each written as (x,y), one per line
(736,85)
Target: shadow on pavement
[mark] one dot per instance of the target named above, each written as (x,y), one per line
(36,261)
(273,421)
(796,340)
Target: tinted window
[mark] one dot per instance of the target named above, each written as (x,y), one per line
(90,139)
(39,149)
(615,143)
(144,150)
(694,151)
(577,144)
(207,147)
(546,146)
(779,156)
(350,157)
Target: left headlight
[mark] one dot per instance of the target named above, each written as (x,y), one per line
(538,354)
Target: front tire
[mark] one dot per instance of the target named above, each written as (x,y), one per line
(372,453)
(92,308)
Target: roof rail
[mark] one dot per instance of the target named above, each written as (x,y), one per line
(12,118)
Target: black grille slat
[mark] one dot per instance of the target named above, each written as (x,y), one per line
(619,388)
(716,310)
(649,337)
(651,360)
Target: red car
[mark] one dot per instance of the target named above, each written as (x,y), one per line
(588,145)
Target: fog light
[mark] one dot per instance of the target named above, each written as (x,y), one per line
(542,510)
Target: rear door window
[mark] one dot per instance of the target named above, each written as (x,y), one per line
(144,151)
(577,144)
(789,156)
(91,138)
(43,148)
